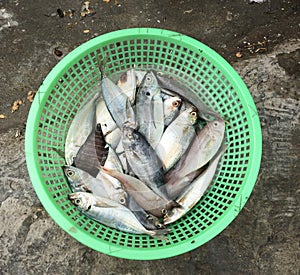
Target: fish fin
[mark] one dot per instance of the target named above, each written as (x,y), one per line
(160,234)
(104,205)
(59,152)
(175,204)
(101,64)
(152,112)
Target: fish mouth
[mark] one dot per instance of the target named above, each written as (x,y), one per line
(72,197)
(65,167)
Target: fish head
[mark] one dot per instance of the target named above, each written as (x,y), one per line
(130,135)
(172,103)
(70,156)
(173,215)
(149,85)
(71,173)
(127,133)
(176,103)
(122,198)
(192,115)
(81,199)
(217,127)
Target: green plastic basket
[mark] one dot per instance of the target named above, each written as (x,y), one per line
(75,79)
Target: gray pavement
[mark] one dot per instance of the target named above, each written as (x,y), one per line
(264,238)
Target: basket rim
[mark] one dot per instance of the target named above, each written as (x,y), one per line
(140,253)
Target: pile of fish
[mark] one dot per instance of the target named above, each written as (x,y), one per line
(143,156)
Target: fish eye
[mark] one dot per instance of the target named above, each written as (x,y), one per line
(193,113)
(122,200)
(77,201)
(158,225)
(175,103)
(164,211)
(148,78)
(70,173)
(216,123)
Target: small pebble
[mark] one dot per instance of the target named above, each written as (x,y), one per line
(238,55)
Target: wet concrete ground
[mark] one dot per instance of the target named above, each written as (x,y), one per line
(264,238)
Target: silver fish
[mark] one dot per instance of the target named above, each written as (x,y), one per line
(113,214)
(170,83)
(103,117)
(117,102)
(127,83)
(195,190)
(171,108)
(80,180)
(139,77)
(204,146)
(175,189)
(176,138)
(80,128)
(147,220)
(122,157)
(113,138)
(143,195)
(149,110)
(142,158)
(112,186)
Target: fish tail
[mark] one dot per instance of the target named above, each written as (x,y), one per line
(101,64)
(175,204)
(160,234)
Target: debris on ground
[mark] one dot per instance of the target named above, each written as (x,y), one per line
(31,95)
(238,55)
(188,11)
(2,116)
(61,13)
(58,52)
(86,10)
(257,47)
(15,106)
(256,1)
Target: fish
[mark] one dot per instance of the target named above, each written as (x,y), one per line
(139,77)
(177,138)
(172,84)
(113,138)
(194,192)
(149,110)
(103,117)
(82,181)
(81,127)
(92,153)
(127,83)
(147,220)
(176,187)
(113,214)
(142,158)
(171,108)
(149,200)
(112,186)
(204,146)
(118,103)
(122,157)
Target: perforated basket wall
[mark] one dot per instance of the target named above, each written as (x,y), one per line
(75,79)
